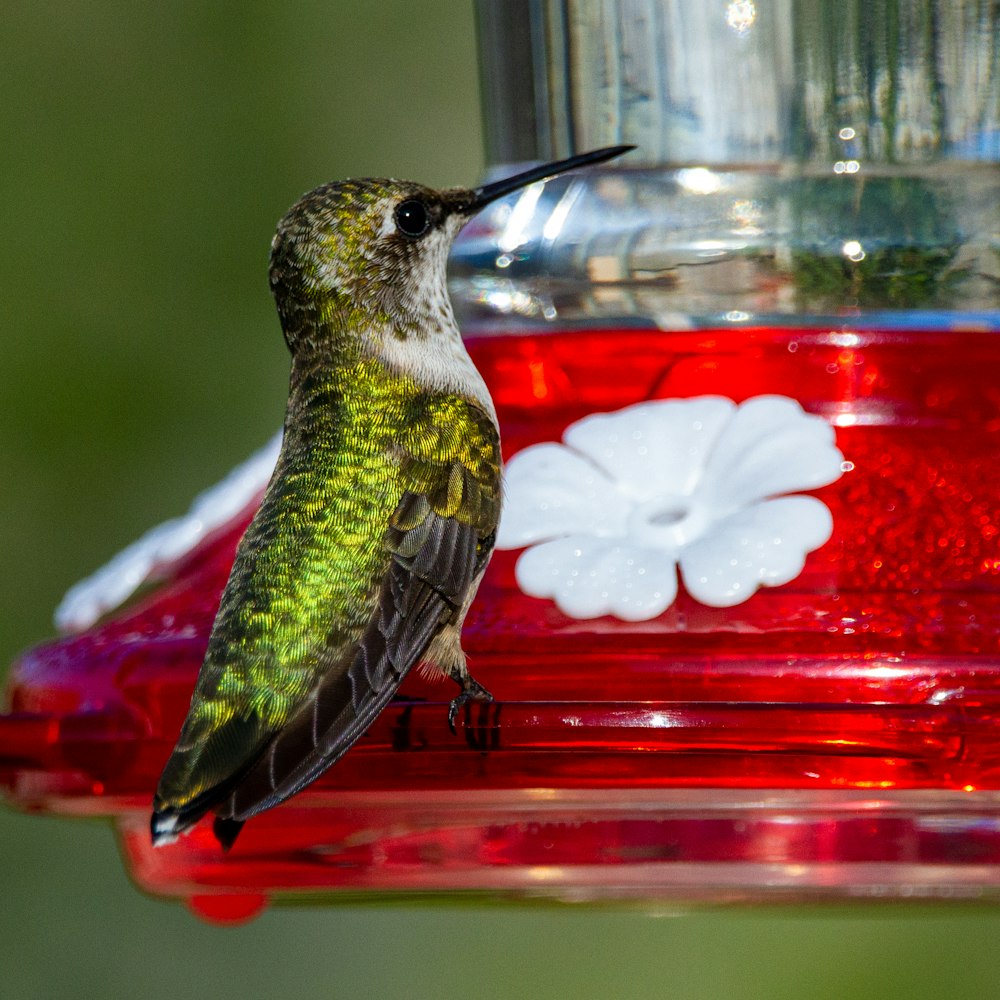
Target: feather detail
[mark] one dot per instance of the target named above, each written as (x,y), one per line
(324,614)
(420,594)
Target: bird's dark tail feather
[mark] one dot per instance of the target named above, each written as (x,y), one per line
(226,831)
(167,825)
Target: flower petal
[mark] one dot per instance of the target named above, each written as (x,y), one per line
(590,577)
(653,448)
(552,491)
(771,446)
(765,545)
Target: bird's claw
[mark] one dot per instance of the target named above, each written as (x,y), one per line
(472,690)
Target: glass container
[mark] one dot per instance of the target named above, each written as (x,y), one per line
(796,160)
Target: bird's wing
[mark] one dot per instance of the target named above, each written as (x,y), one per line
(440,538)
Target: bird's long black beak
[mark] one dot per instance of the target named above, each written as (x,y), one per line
(482,196)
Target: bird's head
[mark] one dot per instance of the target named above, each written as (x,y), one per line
(363,255)
(367,257)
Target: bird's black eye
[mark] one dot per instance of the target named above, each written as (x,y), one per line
(412,219)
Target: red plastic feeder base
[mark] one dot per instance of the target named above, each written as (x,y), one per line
(837,734)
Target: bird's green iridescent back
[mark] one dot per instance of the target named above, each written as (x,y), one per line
(307,573)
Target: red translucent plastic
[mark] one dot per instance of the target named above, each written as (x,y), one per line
(842,719)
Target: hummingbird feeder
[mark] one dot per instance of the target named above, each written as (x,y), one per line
(830,734)
(744,627)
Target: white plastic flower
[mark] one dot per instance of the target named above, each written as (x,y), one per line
(691,483)
(153,555)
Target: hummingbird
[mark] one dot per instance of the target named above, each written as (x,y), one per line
(379,519)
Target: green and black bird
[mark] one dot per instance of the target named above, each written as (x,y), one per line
(379,519)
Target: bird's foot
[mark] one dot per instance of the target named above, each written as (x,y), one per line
(472,690)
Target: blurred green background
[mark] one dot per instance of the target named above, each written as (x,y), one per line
(146,152)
